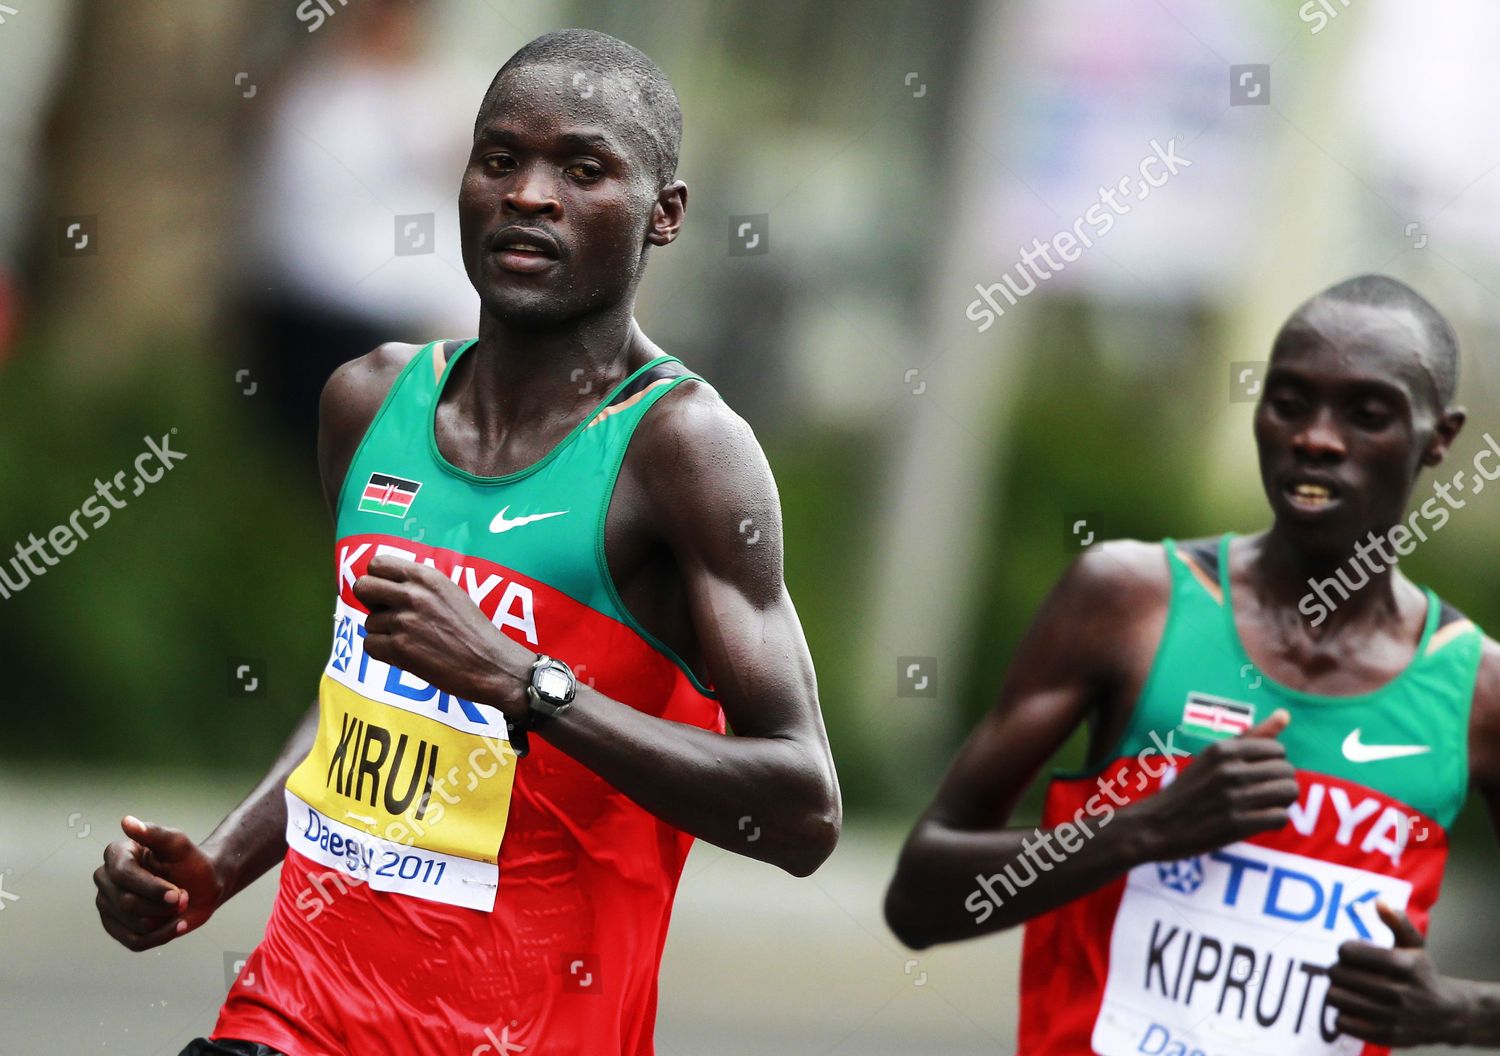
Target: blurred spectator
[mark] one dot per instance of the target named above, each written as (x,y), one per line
(29,70)
(354,221)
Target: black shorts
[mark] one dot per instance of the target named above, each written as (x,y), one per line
(228,1047)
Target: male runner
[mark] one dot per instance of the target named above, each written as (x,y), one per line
(508,507)
(1239,901)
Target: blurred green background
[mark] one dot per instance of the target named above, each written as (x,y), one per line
(899,152)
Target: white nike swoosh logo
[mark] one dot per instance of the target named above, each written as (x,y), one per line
(501,523)
(1357,752)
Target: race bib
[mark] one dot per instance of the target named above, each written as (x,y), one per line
(1227,954)
(407,788)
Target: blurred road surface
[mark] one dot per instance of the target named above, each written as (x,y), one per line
(757,963)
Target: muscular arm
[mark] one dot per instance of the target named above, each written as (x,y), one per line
(1088,651)
(1078,656)
(252,836)
(770,790)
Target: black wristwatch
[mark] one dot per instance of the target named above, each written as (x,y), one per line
(551,690)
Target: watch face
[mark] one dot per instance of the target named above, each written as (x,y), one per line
(552,682)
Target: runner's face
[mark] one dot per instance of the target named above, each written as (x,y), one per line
(557,198)
(1343,423)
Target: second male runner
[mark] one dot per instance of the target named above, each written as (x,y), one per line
(1248,862)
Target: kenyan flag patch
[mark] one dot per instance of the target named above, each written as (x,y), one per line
(389,495)
(1208,714)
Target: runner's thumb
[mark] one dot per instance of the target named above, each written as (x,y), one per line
(1407,935)
(1271,726)
(167,844)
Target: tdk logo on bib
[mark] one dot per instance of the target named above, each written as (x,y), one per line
(351,666)
(343,644)
(1251,880)
(1311,894)
(1228,953)
(1185,876)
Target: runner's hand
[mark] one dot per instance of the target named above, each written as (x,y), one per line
(1396,996)
(1233,789)
(154,886)
(428,626)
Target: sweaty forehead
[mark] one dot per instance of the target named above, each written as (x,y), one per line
(553,96)
(1362,340)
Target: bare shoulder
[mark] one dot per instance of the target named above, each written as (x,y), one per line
(351,397)
(356,388)
(1119,576)
(693,421)
(708,488)
(1106,613)
(712,451)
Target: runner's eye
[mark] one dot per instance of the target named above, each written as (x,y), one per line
(1372,414)
(586,171)
(1286,404)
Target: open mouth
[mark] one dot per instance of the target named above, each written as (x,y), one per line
(525,251)
(1311,497)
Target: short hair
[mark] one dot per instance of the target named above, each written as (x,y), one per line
(657,107)
(1382,291)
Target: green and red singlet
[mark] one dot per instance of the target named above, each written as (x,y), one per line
(1227,953)
(438,893)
